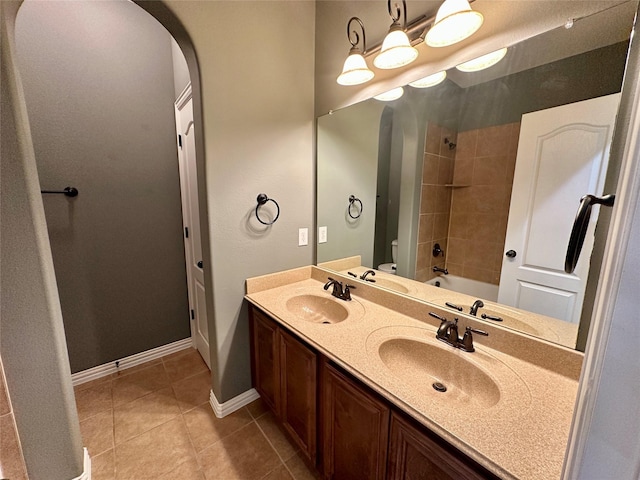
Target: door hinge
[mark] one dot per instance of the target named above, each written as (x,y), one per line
(193,314)
(180,141)
(186,232)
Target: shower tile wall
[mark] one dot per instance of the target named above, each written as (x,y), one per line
(11,461)
(435,200)
(484,165)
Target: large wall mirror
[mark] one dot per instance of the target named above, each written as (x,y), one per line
(467,190)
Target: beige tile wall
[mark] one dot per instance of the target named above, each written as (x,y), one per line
(11,461)
(484,163)
(435,200)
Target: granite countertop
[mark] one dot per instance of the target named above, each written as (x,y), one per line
(518,431)
(542,326)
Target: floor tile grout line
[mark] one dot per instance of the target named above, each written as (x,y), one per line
(139,398)
(273,446)
(189,376)
(193,447)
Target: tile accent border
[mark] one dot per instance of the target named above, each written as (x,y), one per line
(236,403)
(130,361)
(86,473)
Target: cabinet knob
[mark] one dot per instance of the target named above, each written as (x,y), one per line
(511,254)
(200,264)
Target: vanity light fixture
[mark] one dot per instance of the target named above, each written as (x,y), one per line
(390,95)
(485,61)
(355,70)
(430,81)
(455,21)
(396,50)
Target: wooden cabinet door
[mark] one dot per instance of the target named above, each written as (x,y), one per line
(413,455)
(298,380)
(355,429)
(266,359)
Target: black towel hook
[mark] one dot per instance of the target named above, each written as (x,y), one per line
(352,201)
(262,199)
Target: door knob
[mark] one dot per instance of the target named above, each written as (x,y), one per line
(511,254)
(200,264)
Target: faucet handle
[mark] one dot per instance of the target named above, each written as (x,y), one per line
(467,339)
(346,294)
(474,330)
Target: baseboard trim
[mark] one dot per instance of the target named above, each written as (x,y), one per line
(128,362)
(236,403)
(86,472)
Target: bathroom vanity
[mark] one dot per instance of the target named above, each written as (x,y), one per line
(354,385)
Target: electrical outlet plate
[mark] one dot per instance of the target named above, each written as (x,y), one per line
(303,237)
(322,235)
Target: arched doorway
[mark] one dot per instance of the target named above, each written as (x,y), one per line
(61,423)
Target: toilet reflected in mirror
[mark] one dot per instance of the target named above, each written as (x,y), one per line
(391,267)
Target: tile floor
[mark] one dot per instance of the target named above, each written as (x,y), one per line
(154,421)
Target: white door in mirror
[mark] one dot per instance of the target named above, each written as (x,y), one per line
(563,154)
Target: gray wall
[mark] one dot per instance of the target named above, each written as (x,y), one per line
(100,97)
(573,79)
(258,125)
(348,165)
(180,69)
(32,342)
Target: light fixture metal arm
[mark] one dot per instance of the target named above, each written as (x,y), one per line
(415,30)
(355,43)
(397,15)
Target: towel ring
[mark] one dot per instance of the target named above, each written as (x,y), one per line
(352,201)
(262,199)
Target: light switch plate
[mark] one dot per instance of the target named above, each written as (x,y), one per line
(303,237)
(322,235)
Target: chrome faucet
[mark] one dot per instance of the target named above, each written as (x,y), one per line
(476,305)
(368,272)
(440,270)
(448,333)
(337,291)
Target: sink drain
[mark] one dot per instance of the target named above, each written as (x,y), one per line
(439,387)
(326,323)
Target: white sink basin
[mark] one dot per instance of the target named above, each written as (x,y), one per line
(465,382)
(423,365)
(317,309)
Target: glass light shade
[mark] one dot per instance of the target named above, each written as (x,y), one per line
(396,51)
(390,95)
(455,21)
(430,81)
(355,70)
(485,61)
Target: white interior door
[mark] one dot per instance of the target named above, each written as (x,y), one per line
(563,154)
(191,221)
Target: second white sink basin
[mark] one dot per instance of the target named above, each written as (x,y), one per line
(317,309)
